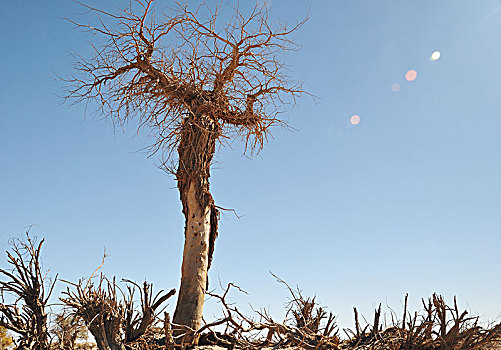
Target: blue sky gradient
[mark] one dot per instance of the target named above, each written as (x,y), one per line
(408,200)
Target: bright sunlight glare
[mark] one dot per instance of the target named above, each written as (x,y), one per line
(435,56)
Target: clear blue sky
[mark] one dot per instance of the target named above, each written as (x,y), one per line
(408,200)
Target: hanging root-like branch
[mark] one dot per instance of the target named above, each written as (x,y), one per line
(164,68)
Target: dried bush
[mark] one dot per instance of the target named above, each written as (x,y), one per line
(110,314)
(67,329)
(308,316)
(440,327)
(112,317)
(303,328)
(28,290)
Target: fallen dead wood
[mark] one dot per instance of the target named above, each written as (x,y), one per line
(439,327)
(307,326)
(112,316)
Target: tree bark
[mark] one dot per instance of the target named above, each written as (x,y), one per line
(196,150)
(195,263)
(105,334)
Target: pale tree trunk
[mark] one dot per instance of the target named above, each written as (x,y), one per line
(196,149)
(195,263)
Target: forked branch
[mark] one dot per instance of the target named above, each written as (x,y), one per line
(110,314)
(162,69)
(25,291)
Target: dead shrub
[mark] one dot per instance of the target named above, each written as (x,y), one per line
(24,293)
(110,314)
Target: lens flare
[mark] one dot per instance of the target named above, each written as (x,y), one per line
(411,75)
(355,119)
(435,56)
(395,87)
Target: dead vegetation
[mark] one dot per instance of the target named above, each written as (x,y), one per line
(68,330)
(193,83)
(110,313)
(440,326)
(119,321)
(25,291)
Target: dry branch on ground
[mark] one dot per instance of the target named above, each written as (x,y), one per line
(439,327)
(117,323)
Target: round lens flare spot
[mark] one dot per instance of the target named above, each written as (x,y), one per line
(411,75)
(355,119)
(395,87)
(435,56)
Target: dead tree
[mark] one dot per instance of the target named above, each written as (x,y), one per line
(110,314)
(67,329)
(27,288)
(192,84)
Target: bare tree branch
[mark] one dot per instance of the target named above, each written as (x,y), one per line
(30,290)
(163,71)
(110,314)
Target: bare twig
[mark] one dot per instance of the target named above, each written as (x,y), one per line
(30,290)
(111,317)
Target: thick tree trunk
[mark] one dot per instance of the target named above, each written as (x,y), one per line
(196,149)
(106,335)
(195,263)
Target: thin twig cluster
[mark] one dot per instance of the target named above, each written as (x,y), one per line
(113,317)
(306,326)
(440,327)
(68,330)
(164,68)
(25,291)
(110,314)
